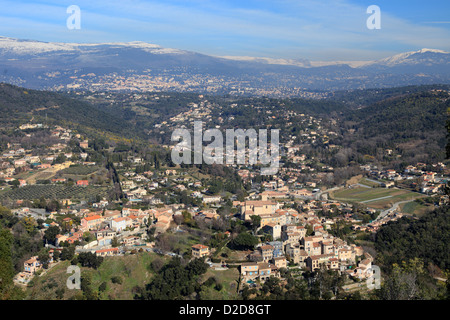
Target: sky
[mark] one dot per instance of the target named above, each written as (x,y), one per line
(320,30)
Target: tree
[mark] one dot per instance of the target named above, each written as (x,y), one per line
(404,281)
(174,281)
(15,184)
(157,264)
(102,287)
(244,241)
(89,259)
(85,285)
(67,253)
(309,230)
(196,267)
(56,255)
(256,222)
(6,265)
(115,242)
(51,233)
(53,205)
(116,279)
(44,257)
(178,219)
(60,293)
(272,286)
(29,224)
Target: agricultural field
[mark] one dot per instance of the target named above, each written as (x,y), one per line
(79,170)
(370,183)
(39,175)
(414,208)
(52,191)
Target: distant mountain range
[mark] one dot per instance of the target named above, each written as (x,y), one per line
(140,66)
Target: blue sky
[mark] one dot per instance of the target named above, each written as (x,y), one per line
(315,30)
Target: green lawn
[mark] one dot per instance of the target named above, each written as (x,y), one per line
(368,183)
(45,286)
(386,203)
(413,208)
(229,280)
(133,269)
(360,194)
(371,196)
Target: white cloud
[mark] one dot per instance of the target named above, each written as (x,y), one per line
(287,29)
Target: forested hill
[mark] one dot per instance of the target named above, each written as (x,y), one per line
(19,104)
(414,124)
(426,238)
(355,99)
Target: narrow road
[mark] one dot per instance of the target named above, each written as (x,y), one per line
(371,180)
(391,209)
(319,194)
(376,199)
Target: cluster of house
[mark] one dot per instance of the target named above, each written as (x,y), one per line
(288,229)
(375,225)
(17,159)
(428,182)
(133,219)
(310,252)
(137,187)
(105,225)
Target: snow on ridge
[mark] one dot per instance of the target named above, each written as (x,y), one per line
(404,57)
(31,47)
(291,62)
(23,47)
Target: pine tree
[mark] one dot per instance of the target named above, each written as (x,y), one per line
(6,265)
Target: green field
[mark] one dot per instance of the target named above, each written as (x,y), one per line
(378,198)
(360,194)
(79,170)
(413,208)
(229,280)
(133,269)
(369,183)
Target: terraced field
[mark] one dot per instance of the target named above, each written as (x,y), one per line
(80,170)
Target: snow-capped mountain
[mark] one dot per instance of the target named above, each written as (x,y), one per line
(431,56)
(31,47)
(44,65)
(424,63)
(423,56)
(304,63)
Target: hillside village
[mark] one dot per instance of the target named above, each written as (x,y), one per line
(292,214)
